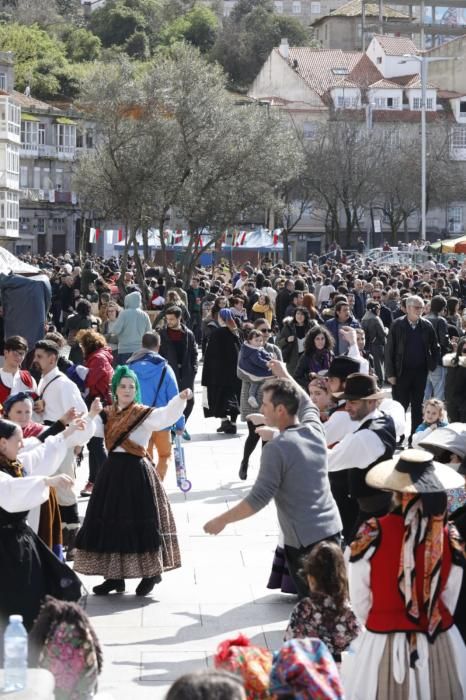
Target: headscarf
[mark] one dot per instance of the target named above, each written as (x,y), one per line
(305,669)
(15,398)
(122,372)
(250,662)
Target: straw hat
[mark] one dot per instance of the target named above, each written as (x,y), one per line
(360,387)
(414,471)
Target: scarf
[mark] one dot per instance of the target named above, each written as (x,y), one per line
(11,467)
(121,423)
(263,309)
(420,529)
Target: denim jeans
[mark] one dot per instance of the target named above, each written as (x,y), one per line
(435,385)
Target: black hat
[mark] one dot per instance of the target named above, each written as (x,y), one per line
(360,387)
(342,366)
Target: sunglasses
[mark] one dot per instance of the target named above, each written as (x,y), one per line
(265,330)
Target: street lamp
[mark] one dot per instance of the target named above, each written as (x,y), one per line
(424,61)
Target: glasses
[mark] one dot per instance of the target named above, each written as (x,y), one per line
(265,330)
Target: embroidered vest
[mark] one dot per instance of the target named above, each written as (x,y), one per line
(26,379)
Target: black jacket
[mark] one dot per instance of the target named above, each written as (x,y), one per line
(396,344)
(186,371)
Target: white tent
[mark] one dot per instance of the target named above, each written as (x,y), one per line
(9,263)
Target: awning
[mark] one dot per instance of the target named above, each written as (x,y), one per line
(448,246)
(26,117)
(65,120)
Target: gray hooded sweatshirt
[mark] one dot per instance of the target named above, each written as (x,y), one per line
(131,324)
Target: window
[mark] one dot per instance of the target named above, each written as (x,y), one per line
(315,8)
(59,179)
(45,179)
(430,103)
(296,8)
(417,103)
(380,102)
(23,177)
(42,134)
(309,130)
(393,102)
(3,82)
(347,102)
(12,159)
(458,137)
(379,60)
(40,225)
(29,135)
(11,114)
(455,219)
(36,178)
(89,138)
(463,108)
(66,138)
(278,7)
(9,210)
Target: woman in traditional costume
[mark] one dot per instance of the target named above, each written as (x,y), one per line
(129,530)
(29,569)
(405,575)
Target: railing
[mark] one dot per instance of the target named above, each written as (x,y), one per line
(66,152)
(46,151)
(33,194)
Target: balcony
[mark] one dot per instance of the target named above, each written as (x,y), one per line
(66,152)
(29,150)
(49,196)
(46,151)
(458,152)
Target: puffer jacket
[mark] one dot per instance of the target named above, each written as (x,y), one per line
(100,374)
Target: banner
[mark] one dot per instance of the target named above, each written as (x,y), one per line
(92,235)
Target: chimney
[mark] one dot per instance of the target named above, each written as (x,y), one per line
(284,48)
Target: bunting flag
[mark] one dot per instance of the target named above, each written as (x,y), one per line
(242,240)
(234,236)
(275,236)
(97,234)
(120,235)
(109,236)
(92,235)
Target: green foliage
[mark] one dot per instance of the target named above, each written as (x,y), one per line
(248,36)
(81,45)
(40,60)
(117,21)
(137,46)
(198,27)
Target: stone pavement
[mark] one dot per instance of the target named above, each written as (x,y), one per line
(219,591)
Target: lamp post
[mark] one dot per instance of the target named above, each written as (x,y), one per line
(424,61)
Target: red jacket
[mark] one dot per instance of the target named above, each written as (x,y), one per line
(100,374)
(388,613)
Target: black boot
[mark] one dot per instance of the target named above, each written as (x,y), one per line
(147,584)
(110,584)
(230,428)
(243,471)
(71,542)
(224,424)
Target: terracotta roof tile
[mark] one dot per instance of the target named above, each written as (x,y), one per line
(396,45)
(32,103)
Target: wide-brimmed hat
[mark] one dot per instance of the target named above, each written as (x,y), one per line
(414,471)
(360,387)
(341,367)
(452,438)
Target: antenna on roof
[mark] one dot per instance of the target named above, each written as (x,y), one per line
(27,91)
(295,63)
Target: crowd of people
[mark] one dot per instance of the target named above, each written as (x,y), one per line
(322,362)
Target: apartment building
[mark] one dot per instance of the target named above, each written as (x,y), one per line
(10,136)
(306,11)
(312,86)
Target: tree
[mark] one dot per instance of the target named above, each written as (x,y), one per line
(30,12)
(118,20)
(249,35)
(174,138)
(198,27)
(40,60)
(81,45)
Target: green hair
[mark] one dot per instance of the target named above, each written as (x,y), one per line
(122,372)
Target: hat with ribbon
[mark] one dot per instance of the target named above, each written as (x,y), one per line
(360,387)
(414,471)
(252,663)
(451,438)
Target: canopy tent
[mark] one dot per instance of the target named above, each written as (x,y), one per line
(26,294)
(449,245)
(260,239)
(9,263)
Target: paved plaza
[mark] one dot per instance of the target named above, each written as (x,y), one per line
(219,591)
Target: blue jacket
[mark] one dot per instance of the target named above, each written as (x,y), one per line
(148,367)
(253,361)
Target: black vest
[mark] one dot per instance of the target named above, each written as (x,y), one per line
(384,427)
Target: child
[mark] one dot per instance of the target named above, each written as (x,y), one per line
(326,613)
(434,416)
(254,361)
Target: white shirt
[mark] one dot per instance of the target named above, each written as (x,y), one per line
(158,419)
(15,383)
(357,450)
(59,394)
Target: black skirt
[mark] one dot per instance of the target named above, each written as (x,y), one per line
(122,515)
(29,571)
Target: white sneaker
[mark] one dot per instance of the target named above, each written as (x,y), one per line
(253,402)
